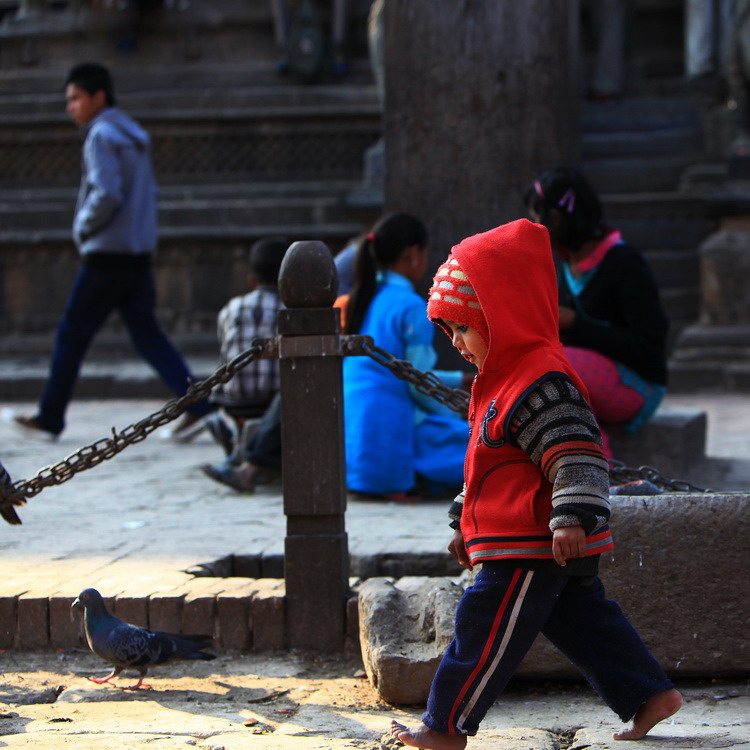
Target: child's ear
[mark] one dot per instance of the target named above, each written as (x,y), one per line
(252,282)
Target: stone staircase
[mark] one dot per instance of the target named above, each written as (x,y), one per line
(635,152)
(241,152)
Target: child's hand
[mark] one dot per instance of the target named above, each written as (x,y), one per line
(568,541)
(457,548)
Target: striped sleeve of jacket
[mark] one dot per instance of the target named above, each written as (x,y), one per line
(556,428)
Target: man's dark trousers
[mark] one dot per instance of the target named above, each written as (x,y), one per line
(116,282)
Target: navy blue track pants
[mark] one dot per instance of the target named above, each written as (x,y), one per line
(498,619)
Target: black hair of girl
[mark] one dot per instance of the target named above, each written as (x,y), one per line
(566,191)
(390,236)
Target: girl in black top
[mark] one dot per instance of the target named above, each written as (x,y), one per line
(612,323)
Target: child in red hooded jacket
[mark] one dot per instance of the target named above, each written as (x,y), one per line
(535,505)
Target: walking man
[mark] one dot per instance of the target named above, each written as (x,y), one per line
(115,231)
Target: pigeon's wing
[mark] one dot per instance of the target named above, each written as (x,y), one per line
(161,647)
(125,645)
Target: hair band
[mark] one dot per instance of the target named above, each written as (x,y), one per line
(538,189)
(371,238)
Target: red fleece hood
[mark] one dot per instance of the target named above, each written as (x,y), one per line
(513,274)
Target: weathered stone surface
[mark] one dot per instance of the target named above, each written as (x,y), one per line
(404,629)
(673,441)
(664,573)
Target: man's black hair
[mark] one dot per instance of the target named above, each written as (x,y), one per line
(92,77)
(265,258)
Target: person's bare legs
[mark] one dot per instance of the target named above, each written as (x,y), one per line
(657,708)
(426,738)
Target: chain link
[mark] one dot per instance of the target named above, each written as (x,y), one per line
(102,450)
(621,474)
(425,382)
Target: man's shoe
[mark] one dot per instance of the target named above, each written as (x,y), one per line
(227,474)
(31,427)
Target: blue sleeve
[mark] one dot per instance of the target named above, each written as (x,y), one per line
(418,332)
(103,186)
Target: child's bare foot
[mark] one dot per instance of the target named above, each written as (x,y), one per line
(657,708)
(427,738)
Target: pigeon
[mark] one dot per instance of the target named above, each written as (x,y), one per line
(131,647)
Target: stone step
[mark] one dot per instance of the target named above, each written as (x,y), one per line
(625,143)
(674,268)
(302,212)
(662,205)
(299,143)
(660,232)
(724,355)
(709,375)
(647,114)
(639,173)
(211,91)
(702,337)
(240,614)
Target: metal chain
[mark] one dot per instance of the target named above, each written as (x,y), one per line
(425,382)
(621,474)
(91,455)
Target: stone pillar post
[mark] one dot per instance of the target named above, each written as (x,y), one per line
(480,96)
(316,549)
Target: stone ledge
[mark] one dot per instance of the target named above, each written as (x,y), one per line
(240,614)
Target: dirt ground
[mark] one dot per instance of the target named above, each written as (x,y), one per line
(298,702)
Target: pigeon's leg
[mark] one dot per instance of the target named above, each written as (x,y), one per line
(140,684)
(101,680)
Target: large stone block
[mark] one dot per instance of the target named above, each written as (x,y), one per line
(404,629)
(680,572)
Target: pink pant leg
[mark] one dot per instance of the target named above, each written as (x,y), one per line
(610,400)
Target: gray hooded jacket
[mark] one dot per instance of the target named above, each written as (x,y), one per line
(117,200)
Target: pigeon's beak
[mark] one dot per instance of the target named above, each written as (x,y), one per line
(76,604)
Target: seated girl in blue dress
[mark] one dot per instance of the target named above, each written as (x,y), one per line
(395,435)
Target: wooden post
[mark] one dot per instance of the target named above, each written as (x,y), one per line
(480,96)
(316,549)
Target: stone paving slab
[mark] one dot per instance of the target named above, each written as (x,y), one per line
(294,702)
